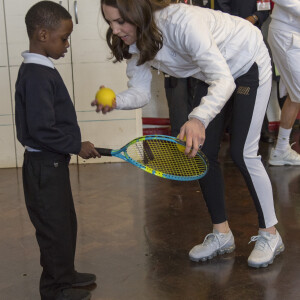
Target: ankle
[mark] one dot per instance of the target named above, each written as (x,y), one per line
(271,230)
(222,227)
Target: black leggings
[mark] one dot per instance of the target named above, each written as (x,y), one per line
(244,123)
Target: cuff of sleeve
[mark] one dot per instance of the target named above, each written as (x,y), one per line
(255,17)
(205,123)
(78,148)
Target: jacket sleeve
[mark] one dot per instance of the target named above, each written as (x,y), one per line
(138,93)
(199,46)
(291,6)
(262,16)
(223,5)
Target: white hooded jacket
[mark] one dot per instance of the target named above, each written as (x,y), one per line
(209,45)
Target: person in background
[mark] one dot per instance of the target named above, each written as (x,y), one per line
(47,127)
(252,11)
(246,9)
(230,56)
(284,40)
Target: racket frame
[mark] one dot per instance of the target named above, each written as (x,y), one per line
(119,154)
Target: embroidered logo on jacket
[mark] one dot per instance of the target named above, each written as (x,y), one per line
(243,90)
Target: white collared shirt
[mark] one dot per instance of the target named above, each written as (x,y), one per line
(34,58)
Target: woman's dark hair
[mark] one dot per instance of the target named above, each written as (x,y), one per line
(45,14)
(138,13)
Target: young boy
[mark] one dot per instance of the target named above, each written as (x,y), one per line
(47,127)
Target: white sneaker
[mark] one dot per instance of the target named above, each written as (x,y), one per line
(214,243)
(289,157)
(267,246)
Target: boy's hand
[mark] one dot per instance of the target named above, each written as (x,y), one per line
(88,151)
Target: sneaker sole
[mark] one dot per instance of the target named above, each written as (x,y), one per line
(265,264)
(218,252)
(81,284)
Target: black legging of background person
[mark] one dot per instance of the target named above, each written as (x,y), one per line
(180,94)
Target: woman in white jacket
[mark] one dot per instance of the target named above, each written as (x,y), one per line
(229,55)
(284,41)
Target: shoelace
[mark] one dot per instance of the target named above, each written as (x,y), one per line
(210,241)
(261,242)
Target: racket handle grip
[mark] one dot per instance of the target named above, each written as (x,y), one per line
(104,151)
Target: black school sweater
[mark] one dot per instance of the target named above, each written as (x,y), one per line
(45,115)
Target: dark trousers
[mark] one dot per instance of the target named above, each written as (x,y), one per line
(50,206)
(180,93)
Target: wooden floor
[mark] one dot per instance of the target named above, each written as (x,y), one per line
(135,232)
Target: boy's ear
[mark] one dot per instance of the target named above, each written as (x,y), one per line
(42,34)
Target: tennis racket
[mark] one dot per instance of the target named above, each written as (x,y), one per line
(162,156)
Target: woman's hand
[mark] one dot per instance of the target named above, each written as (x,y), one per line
(104,108)
(194,131)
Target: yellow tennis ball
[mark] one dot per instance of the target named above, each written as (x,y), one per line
(105,96)
(181,148)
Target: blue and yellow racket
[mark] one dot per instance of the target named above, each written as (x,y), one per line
(163,156)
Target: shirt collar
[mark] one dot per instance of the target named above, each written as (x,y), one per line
(133,49)
(34,58)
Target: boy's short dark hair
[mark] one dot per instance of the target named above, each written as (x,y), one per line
(45,14)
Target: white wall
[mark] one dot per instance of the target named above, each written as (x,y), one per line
(85,67)
(158,107)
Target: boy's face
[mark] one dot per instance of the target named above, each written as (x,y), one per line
(57,43)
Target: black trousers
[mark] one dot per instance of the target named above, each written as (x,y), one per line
(50,206)
(180,93)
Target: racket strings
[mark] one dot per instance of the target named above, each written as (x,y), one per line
(165,157)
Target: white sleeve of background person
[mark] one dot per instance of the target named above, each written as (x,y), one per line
(290,6)
(138,93)
(206,56)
